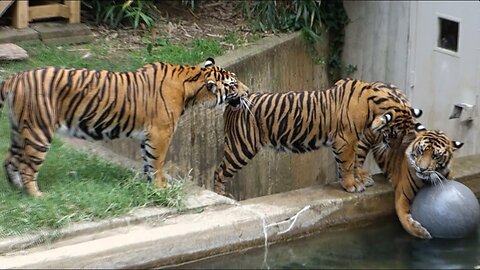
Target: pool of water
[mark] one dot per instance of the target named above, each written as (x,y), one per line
(383,245)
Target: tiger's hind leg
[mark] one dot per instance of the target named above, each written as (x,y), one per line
(155,149)
(36,145)
(12,171)
(12,161)
(146,151)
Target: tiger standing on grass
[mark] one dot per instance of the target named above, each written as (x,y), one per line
(421,157)
(99,104)
(303,121)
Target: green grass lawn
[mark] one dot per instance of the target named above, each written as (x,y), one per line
(79,186)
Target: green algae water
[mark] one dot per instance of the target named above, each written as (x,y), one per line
(384,245)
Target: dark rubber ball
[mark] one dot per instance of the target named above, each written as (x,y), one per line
(447,210)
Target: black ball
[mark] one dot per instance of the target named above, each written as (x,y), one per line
(447,210)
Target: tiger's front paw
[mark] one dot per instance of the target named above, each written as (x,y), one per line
(416,229)
(364,177)
(351,185)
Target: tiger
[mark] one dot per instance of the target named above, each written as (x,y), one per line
(421,157)
(388,136)
(300,122)
(144,104)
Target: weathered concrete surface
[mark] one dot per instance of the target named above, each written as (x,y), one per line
(63,33)
(221,226)
(274,64)
(48,32)
(13,35)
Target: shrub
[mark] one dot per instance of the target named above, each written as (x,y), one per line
(115,13)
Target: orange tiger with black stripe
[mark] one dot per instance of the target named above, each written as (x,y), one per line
(99,104)
(421,157)
(303,121)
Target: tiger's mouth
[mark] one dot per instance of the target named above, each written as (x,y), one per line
(235,104)
(428,177)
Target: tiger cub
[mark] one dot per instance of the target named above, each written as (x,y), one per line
(304,121)
(145,104)
(421,157)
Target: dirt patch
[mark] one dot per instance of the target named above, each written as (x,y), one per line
(178,23)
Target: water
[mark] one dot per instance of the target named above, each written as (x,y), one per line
(383,245)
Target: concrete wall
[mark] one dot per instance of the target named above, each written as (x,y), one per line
(376,40)
(275,64)
(396,42)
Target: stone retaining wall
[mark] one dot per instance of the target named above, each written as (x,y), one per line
(274,64)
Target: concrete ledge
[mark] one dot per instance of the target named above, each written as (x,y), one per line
(220,227)
(197,198)
(17,35)
(48,32)
(216,230)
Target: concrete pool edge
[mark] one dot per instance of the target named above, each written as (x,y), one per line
(223,227)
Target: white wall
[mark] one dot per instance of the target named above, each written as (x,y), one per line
(442,78)
(395,42)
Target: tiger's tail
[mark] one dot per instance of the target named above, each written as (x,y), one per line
(3,94)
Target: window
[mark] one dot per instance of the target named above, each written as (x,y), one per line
(448,34)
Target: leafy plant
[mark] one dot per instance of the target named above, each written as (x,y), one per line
(335,18)
(312,17)
(115,13)
(189,3)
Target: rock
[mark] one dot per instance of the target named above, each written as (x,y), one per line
(447,210)
(10,51)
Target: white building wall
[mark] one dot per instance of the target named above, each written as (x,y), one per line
(395,42)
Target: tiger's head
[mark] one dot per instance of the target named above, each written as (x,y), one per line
(429,154)
(221,86)
(398,117)
(395,123)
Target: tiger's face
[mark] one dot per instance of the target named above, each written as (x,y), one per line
(429,155)
(222,86)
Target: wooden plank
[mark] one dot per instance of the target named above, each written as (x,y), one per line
(4,5)
(48,11)
(74,7)
(20,14)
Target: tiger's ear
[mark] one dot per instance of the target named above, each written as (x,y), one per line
(211,86)
(419,127)
(416,112)
(209,62)
(381,121)
(457,145)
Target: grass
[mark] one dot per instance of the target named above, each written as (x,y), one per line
(79,186)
